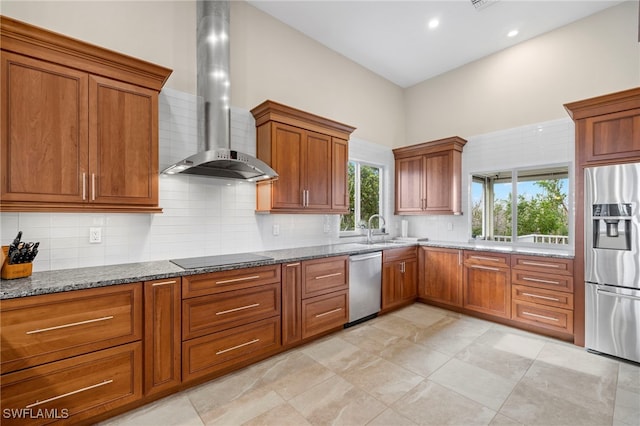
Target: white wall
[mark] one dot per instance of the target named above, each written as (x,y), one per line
(529,82)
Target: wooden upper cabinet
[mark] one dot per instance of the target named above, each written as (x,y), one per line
(310,155)
(607,128)
(79,125)
(428,177)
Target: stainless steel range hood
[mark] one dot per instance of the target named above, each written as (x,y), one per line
(215,158)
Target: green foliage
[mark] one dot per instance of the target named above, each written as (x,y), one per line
(369,196)
(547,212)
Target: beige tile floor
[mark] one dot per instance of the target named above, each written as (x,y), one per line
(417,366)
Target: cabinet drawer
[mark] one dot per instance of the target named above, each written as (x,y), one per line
(487,258)
(324,313)
(541,280)
(323,276)
(547,317)
(209,314)
(549,265)
(542,296)
(215,352)
(46,328)
(78,387)
(391,255)
(218,282)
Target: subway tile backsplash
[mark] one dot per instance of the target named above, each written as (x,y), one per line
(203,216)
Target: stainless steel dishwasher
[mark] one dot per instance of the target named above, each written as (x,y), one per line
(365,286)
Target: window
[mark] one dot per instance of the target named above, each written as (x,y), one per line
(365,196)
(532,204)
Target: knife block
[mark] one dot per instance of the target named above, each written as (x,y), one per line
(10,272)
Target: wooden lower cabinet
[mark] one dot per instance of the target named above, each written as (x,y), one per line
(324,313)
(487,283)
(209,354)
(162,343)
(399,277)
(548,317)
(74,389)
(441,275)
(291,303)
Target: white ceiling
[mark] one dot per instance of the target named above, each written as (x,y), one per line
(392,38)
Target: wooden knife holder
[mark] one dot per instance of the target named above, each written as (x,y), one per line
(19,270)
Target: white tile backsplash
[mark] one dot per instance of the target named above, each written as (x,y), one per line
(203,216)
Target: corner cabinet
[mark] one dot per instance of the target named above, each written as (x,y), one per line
(79,125)
(310,155)
(428,177)
(441,275)
(399,277)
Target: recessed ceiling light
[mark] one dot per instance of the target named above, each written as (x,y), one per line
(433,23)
(512,33)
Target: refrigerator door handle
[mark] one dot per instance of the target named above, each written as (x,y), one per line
(613,294)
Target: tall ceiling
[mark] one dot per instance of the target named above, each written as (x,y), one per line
(394,40)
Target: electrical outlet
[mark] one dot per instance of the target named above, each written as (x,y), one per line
(276,230)
(449,226)
(327,228)
(95,235)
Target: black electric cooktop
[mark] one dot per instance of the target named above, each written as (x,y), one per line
(224,259)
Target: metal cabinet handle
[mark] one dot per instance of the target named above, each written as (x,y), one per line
(93,186)
(402,266)
(539,316)
(539,280)
(237,346)
(293,264)
(491,259)
(328,312)
(537,296)
(609,293)
(544,265)
(235,280)
(319,277)
(73,324)
(459,257)
(97,385)
(488,268)
(84,186)
(241,308)
(163,283)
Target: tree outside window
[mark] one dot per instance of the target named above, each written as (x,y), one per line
(365,186)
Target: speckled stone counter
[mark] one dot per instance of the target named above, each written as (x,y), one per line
(101,276)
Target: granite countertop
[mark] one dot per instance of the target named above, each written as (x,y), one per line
(100,276)
(566,253)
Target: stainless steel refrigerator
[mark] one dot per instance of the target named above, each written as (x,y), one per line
(612,260)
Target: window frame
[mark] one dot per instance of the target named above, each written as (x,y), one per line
(357,195)
(515,171)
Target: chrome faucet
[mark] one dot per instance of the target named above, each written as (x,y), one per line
(370,231)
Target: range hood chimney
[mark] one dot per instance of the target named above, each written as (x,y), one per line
(215,158)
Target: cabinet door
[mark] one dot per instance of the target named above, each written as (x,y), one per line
(441,275)
(391,292)
(291,303)
(437,178)
(409,185)
(318,166)
(613,136)
(409,287)
(487,289)
(162,342)
(123,147)
(287,146)
(340,196)
(44,129)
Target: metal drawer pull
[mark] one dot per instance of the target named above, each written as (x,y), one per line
(488,268)
(293,264)
(539,316)
(97,385)
(163,283)
(238,346)
(492,259)
(235,280)
(544,265)
(73,324)
(537,296)
(538,280)
(319,277)
(237,309)
(625,296)
(329,312)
